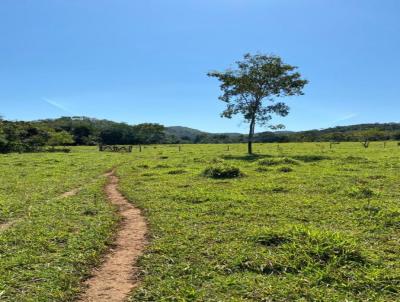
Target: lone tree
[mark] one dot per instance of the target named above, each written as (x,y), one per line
(258,78)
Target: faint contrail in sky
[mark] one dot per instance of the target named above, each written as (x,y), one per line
(57,105)
(346,117)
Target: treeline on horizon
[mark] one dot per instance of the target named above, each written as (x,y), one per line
(19,136)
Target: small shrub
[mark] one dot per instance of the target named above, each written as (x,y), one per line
(222,171)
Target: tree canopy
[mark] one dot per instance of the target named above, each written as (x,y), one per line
(258,78)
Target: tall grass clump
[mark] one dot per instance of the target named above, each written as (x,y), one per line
(222,170)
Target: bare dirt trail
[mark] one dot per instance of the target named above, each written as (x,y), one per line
(118,275)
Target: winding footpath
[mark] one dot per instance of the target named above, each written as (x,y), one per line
(118,275)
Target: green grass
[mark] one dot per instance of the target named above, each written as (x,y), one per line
(303,222)
(52,242)
(326,231)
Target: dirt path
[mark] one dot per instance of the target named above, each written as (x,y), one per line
(117,276)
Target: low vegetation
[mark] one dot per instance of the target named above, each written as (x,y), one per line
(326,231)
(48,242)
(314,234)
(222,171)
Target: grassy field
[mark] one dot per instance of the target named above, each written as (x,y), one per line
(48,243)
(297,222)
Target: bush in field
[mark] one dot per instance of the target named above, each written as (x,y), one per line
(222,171)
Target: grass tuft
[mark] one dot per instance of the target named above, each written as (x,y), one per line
(222,171)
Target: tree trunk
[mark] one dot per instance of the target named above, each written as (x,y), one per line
(251,135)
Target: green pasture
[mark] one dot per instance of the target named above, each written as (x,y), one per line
(300,222)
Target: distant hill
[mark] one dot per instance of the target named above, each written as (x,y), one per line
(186,132)
(373,131)
(91,131)
(182,132)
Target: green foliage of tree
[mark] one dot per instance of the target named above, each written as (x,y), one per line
(257,79)
(60,138)
(148,133)
(21,137)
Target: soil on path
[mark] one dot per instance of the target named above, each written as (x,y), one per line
(118,275)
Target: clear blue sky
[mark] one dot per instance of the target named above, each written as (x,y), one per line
(146,61)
